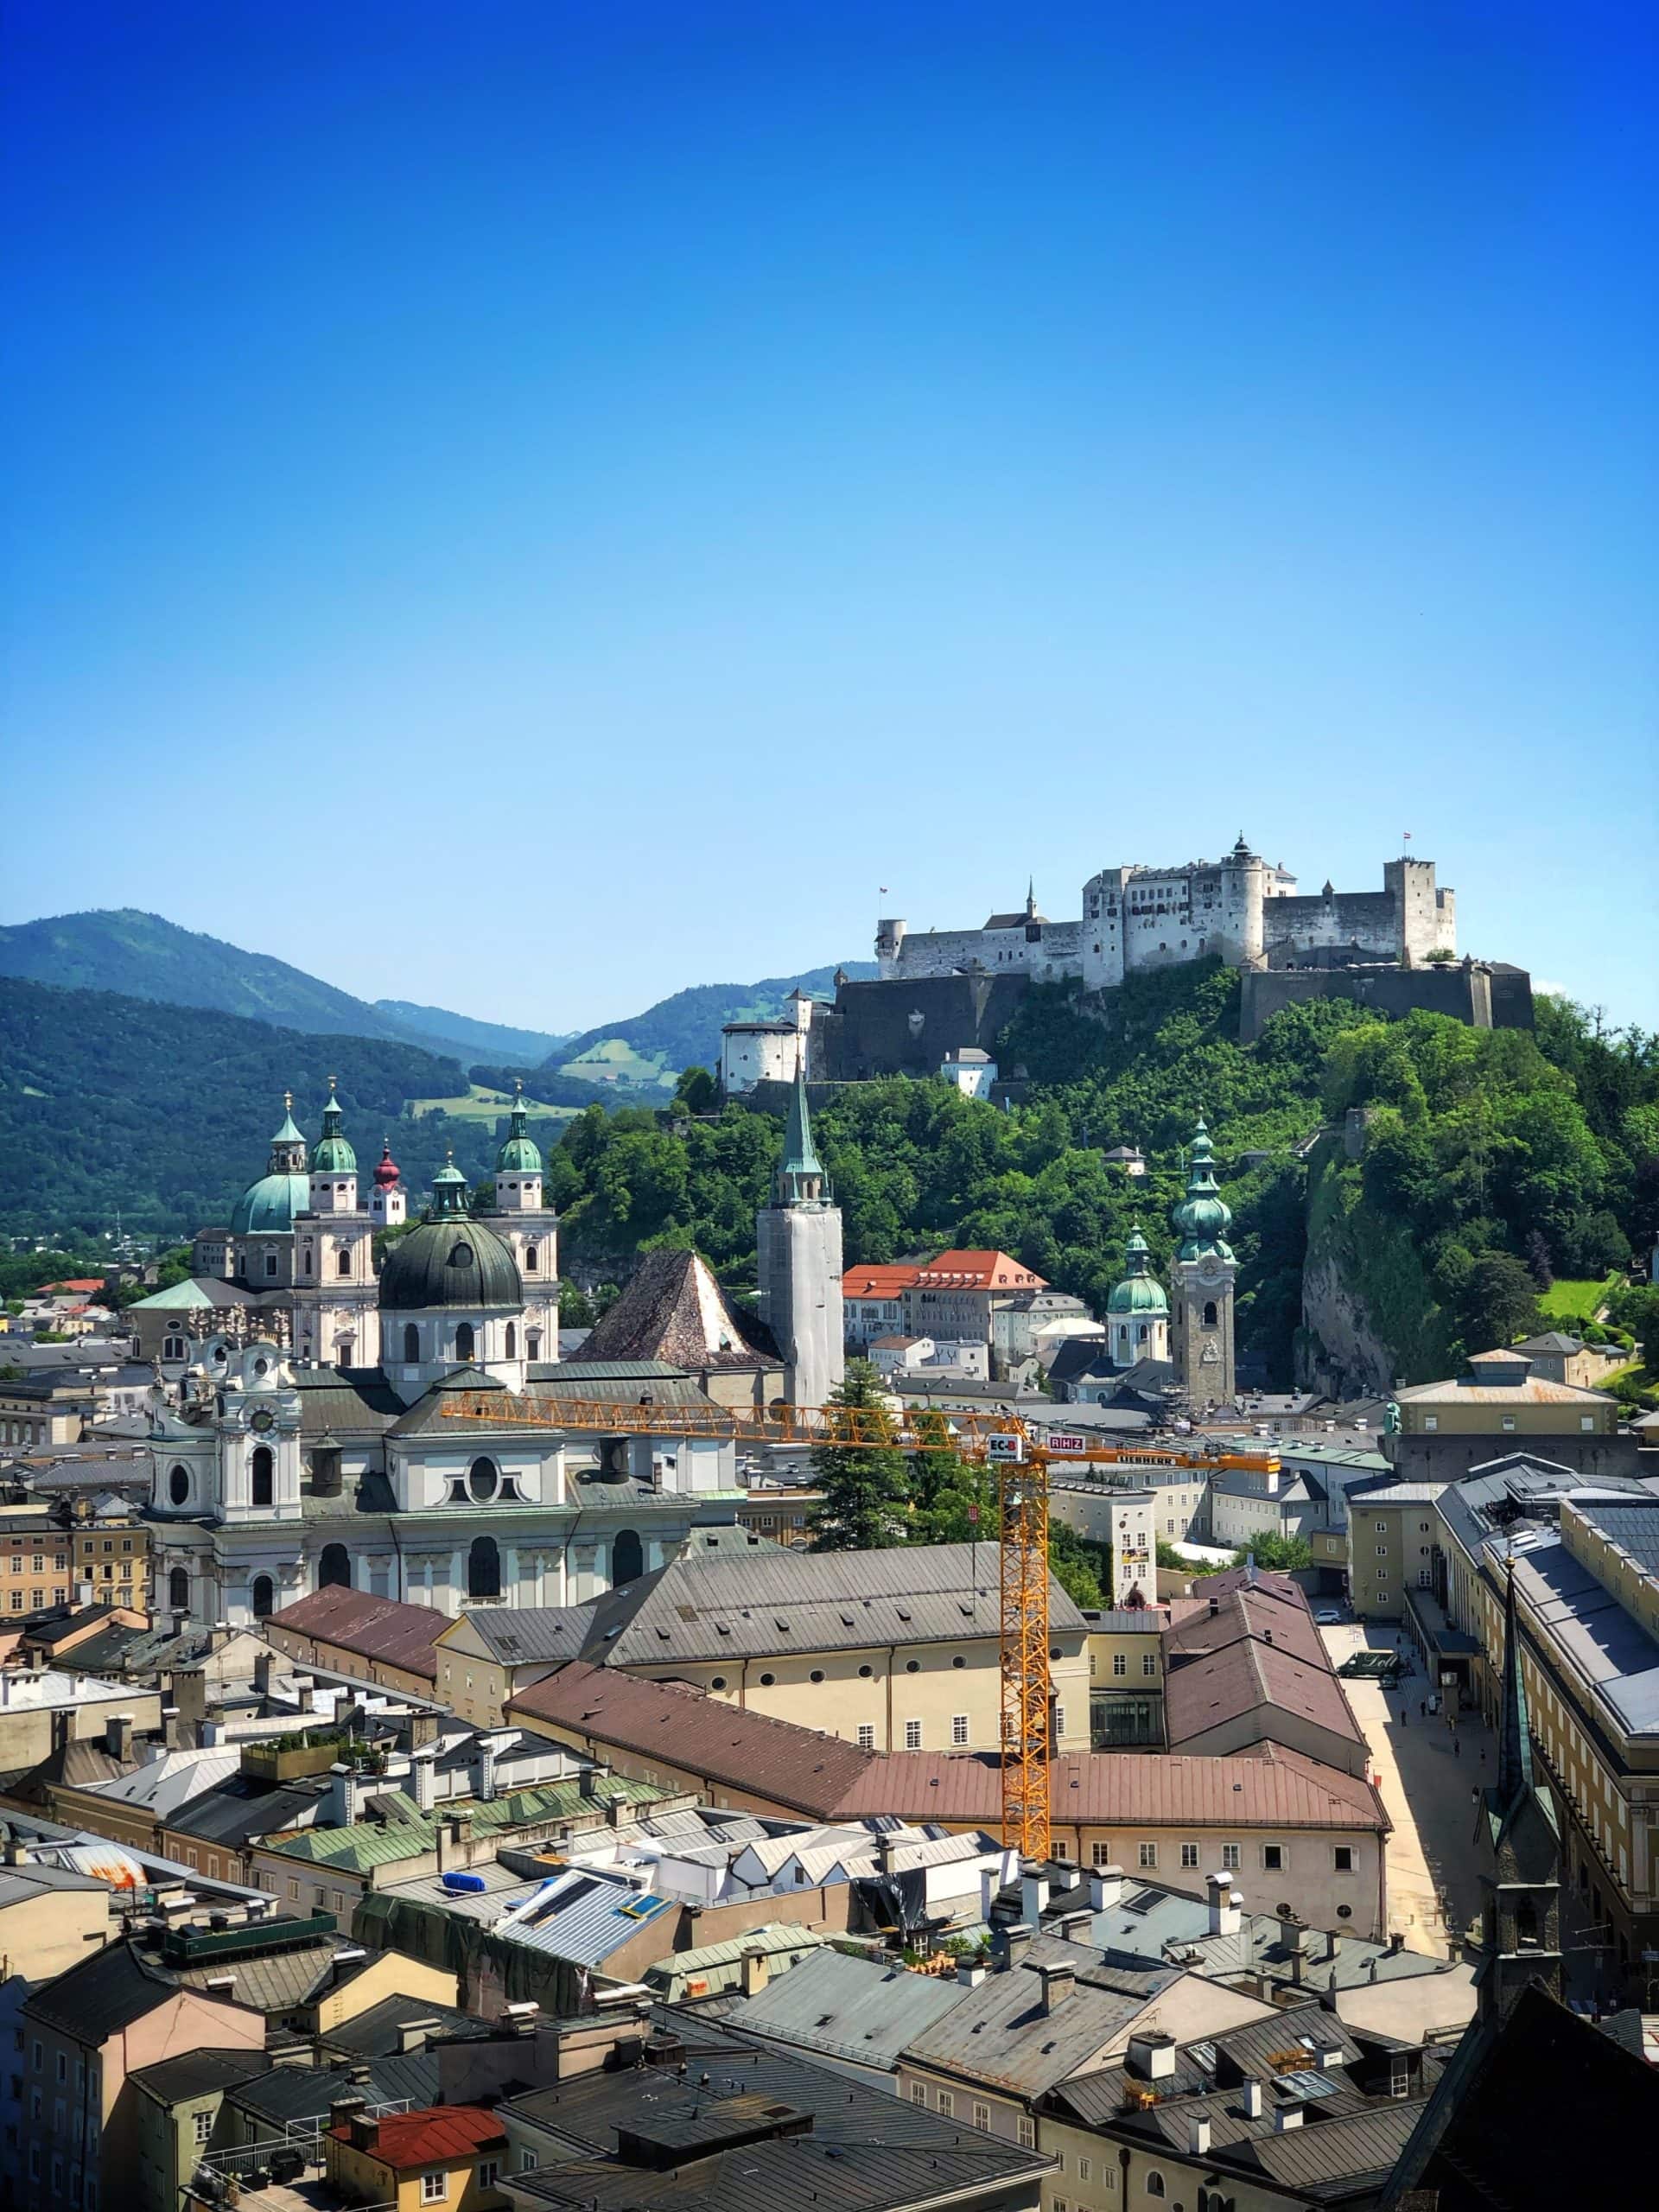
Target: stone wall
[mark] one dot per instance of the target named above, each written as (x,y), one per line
(906,1026)
(1464,990)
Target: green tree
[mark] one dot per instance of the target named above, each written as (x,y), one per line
(1082,1569)
(866,1487)
(1495,1302)
(953,1500)
(1284,1554)
(695,1092)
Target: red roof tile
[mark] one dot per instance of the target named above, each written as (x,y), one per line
(374,1628)
(885,1282)
(976,1270)
(432,2135)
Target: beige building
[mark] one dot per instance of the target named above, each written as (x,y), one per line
(49,1919)
(891,1650)
(1126,1675)
(1392,1532)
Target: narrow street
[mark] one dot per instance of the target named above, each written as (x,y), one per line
(1427,1774)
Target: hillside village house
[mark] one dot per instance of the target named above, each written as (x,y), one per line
(893,1650)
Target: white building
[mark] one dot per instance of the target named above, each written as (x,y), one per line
(798,1254)
(767,1051)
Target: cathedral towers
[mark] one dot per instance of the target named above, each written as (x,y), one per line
(1203,1279)
(799,1241)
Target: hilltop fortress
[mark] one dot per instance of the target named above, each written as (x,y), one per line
(1242,909)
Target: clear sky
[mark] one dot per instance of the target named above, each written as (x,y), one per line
(527,507)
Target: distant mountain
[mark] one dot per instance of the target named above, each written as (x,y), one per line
(490,1040)
(684,1031)
(165,1113)
(144,957)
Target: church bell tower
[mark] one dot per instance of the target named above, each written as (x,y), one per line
(1203,1278)
(798,1242)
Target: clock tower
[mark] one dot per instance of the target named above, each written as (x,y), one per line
(1203,1277)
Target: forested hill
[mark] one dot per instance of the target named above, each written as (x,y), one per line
(144,957)
(684,1031)
(164,1113)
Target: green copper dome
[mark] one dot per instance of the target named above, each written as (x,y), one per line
(519,1155)
(452,1259)
(1139,1292)
(1204,1216)
(334,1156)
(268,1207)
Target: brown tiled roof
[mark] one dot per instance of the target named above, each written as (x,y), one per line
(826,1778)
(1256,1654)
(374,1628)
(1279,1789)
(674,1310)
(745,1751)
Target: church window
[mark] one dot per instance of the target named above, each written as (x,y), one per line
(512,1341)
(484,1479)
(270,1263)
(264,1597)
(178,1485)
(627,1557)
(484,1568)
(531,1263)
(172,1348)
(532,1345)
(178,1589)
(464,1341)
(411,1342)
(1210,1313)
(344,1262)
(263,1472)
(334,1569)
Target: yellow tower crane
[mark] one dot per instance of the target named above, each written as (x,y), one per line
(1001,1441)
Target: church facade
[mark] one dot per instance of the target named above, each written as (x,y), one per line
(436,1472)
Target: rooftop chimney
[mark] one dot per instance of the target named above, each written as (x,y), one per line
(1016,1942)
(969,1973)
(170,1726)
(343,2110)
(753,1971)
(1250,2097)
(423,1729)
(422,1767)
(486,1769)
(262,1667)
(1106,1888)
(1059,1978)
(305,1693)
(1197,2135)
(1034,1893)
(412,2035)
(1286,2118)
(1224,1917)
(1151,2055)
(118,1735)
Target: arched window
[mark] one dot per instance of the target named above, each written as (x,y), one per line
(178,1485)
(344,1262)
(264,1597)
(484,1568)
(483,1480)
(172,1348)
(1210,1313)
(531,1263)
(464,1340)
(335,1567)
(1154,2184)
(512,1341)
(262,1473)
(627,1557)
(178,1589)
(411,1342)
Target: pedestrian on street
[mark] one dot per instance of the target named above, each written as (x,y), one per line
(1422,1709)
(1404,1716)
(1456,1747)
(1482,1755)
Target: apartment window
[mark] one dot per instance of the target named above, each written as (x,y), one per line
(958,1727)
(1230,1854)
(912,1735)
(982,2118)
(527,2162)
(866,1738)
(1273,1858)
(1100,1854)
(1342,1858)
(1587,1422)
(63,2066)
(1120,1663)
(435,2189)
(947,2104)
(1149,1854)
(1148,1663)
(1189,1854)
(919,2093)
(1027,2133)
(1425,1579)
(1086,2167)
(1431,1420)
(204,2128)
(1059,1720)
(293,1893)
(1381,1551)
(38,2059)
(487,2173)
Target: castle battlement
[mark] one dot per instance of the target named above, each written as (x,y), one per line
(1241,909)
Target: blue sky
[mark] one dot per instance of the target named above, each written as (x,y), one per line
(529,506)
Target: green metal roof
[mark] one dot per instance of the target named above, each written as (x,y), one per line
(519,1155)
(334,1156)
(270,1206)
(1139,1292)
(1204,1216)
(369,1843)
(181,1298)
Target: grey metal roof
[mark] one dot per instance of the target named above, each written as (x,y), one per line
(767,1602)
(107,1992)
(580,1915)
(784,1944)
(1601,1642)
(1633,1525)
(197,2074)
(270,1982)
(301,2093)
(998,2034)
(865,2010)
(373,2033)
(1347,2150)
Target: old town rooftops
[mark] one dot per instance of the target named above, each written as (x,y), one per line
(759,1603)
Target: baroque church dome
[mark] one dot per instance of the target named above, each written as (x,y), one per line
(452,1259)
(1203,1216)
(284,1188)
(334,1154)
(1139,1292)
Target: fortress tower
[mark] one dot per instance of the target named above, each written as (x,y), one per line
(1203,1277)
(798,1242)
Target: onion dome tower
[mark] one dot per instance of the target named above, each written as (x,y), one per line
(262,1222)
(388,1202)
(1203,1279)
(523,1222)
(333,1164)
(1137,1312)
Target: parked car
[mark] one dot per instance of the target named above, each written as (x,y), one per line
(1328,1617)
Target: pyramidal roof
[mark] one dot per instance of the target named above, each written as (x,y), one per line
(673,1310)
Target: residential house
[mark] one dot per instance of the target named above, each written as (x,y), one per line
(1250,1667)
(449,2156)
(1499,1405)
